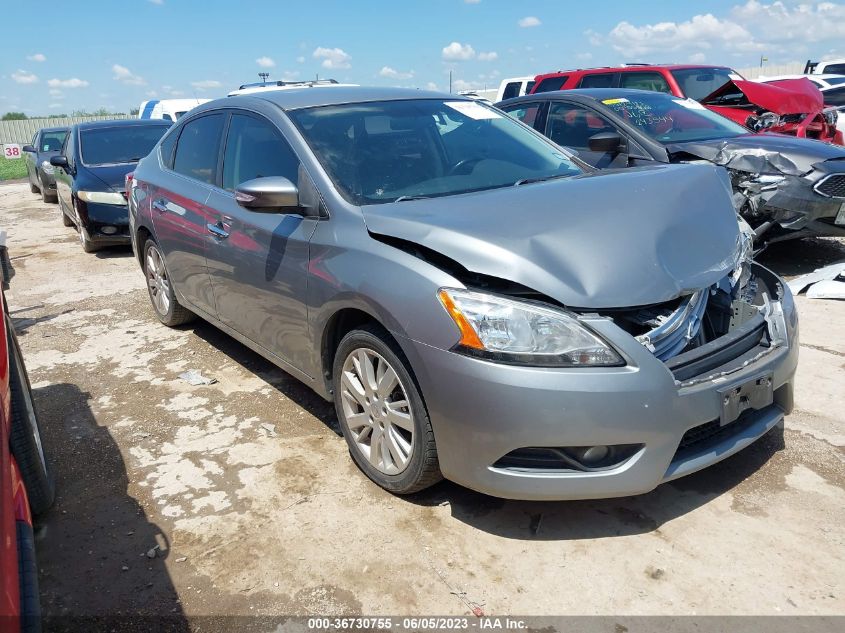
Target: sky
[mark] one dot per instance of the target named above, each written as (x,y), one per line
(117,53)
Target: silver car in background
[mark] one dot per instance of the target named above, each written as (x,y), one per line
(478,304)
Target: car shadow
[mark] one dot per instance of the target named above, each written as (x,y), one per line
(797,257)
(113,252)
(602,518)
(283,382)
(23,323)
(95,573)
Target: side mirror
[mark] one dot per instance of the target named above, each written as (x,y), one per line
(59,161)
(606,142)
(268,195)
(28,148)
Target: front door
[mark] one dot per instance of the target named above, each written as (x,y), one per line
(257,260)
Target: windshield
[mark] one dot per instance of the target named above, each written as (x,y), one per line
(52,141)
(697,83)
(384,151)
(834,81)
(115,145)
(669,119)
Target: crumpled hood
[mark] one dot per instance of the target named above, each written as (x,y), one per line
(790,96)
(113,176)
(762,153)
(604,240)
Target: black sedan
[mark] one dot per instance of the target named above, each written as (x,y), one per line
(45,144)
(785,187)
(90,176)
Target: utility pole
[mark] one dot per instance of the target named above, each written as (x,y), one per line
(450,82)
(264,77)
(763,59)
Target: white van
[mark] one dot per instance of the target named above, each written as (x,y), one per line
(167,109)
(514,87)
(829,67)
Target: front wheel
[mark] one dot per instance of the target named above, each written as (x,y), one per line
(26,433)
(382,414)
(167,307)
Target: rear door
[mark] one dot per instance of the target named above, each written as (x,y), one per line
(63,178)
(31,160)
(258,261)
(179,211)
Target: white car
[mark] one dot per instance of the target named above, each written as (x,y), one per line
(264,86)
(514,87)
(825,67)
(167,109)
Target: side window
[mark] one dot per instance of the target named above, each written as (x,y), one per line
(525,112)
(597,80)
(255,149)
(835,97)
(69,147)
(166,148)
(529,86)
(167,117)
(834,69)
(645,81)
(549,84)
(511,90)
(572,125)
(198,146)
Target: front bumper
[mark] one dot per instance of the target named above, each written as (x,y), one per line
(481,411)
(100,219)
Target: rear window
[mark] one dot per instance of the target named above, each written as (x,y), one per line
(550,84)
(511,90)
(644,81)
(598,80)
(117,145)
(698,83)
(835,69)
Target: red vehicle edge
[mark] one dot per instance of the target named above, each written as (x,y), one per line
(26,484)
(793,107)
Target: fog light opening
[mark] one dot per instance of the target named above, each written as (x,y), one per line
(592,455)
(108,230)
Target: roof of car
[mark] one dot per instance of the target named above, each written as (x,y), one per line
(632,68)
(296,98)
(89,125)
(60,128)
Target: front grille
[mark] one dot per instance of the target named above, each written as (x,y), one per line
(832,186)
(701,437)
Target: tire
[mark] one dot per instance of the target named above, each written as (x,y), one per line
(407,459)
(46,196)
(33,188)
(26,433)
(65,220)
(85,240)
(162,297)
(30,605)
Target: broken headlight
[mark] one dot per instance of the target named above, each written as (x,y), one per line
(518,332)
(760,122)
(831,116)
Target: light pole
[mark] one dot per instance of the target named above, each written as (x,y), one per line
(264,77)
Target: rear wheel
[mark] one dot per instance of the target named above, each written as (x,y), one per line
(26,433)
(33,188)
(167,307)
(382,414)
(47,195)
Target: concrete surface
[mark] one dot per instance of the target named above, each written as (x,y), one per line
(247,489)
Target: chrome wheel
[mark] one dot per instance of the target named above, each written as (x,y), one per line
(376,409)
(157,282)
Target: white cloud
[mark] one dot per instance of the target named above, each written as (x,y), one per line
(126,76)
(54,105)
(488,57)
(24,77)
(529,21)
(158,2)
(697,58)
(152,94)
(56,93)
(457,52)
(459,85)
(805,22)
(389,72)
(290,75)
(333,58)
(205,84)
(265,62)
(699,32)
(431,86)
(73,82)
(37,57)
(472,1)
(300,60)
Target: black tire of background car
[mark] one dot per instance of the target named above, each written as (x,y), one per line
(26,434)
(46,195)
(65,220)
(424,469)
(177,314)
(33,188)
(30,606)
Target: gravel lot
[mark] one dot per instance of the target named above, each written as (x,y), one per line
(248,492)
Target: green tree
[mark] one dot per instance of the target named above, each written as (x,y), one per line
(14,116)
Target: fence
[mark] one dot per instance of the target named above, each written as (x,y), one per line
(795,68)
(22,131)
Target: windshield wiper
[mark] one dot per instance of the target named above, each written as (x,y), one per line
(406,198)
(528,181)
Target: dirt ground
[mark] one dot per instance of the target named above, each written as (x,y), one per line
(248,493)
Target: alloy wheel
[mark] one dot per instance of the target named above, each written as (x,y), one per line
(157,282)
(377,411)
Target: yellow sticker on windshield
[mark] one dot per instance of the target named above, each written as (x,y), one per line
(612,101)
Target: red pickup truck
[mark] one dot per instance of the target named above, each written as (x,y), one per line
(793,107)
(26,481)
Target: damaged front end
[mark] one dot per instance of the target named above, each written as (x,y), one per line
(714,331)
(784,188)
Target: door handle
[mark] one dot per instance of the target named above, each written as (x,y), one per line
(217,231)
(159,206)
